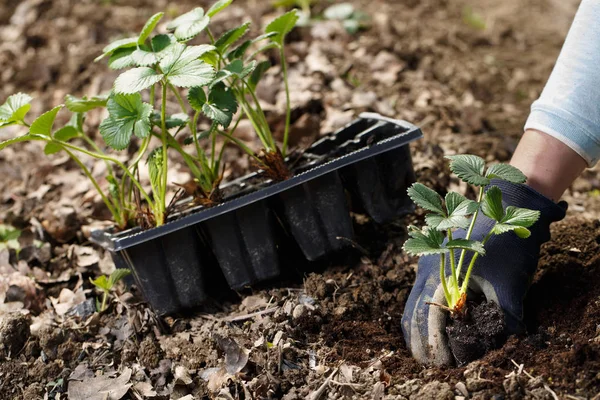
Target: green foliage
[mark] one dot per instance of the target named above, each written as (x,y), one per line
(222,81)
(128,115)
(190,24)
(14,109)
(106,285)
(43,124)
(220,106)
(426,198)
(218,7)
(282,25)
(84,104)
(9,237)
(230,37)
(458,212)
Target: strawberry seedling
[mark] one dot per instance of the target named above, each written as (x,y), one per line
(106,285)
(458,212)
(218,81)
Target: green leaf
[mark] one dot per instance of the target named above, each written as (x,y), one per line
(239,51)
(472,245)
(117,275)
(144,57)
(118,44)
(282,25)
(221,105)
(426,198)
(52,148)
(230,37)
(84,104)
(218,7)
(160,43)
(434,220)
(520,231)
(428,241)
(183,68)
(121,58)
(197,98)
(135,80)
(492,204)
(19,139)
(128,115)
(43,124)
(211,58)
(8,232)
(452,222)
(66,133)
(190,24)
(258,73)
(149,27)
(340,11)
(506,172)
(520,216)
(101,282)
(453,200)
(15,108)
(469,168)
(174,121)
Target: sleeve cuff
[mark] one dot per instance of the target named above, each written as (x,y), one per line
(563,128)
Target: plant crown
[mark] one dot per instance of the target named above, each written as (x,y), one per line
(213,79)
(455,211)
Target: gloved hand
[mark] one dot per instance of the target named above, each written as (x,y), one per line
(503,275)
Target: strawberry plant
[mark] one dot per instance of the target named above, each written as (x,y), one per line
(106,285)
(457,212)
(217,80)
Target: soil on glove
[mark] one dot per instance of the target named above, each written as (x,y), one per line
(466,71)
(481,329)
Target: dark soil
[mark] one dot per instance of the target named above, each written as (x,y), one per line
(472,334)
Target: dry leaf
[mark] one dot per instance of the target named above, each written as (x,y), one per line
(101,387)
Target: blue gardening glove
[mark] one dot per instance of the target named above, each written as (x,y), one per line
(503,275)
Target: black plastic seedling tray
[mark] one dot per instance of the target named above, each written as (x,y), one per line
(173,264)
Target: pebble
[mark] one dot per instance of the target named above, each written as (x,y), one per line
(299,311)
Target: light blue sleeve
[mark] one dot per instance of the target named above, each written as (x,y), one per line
(569,106)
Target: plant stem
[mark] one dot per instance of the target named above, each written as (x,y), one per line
(116,215)
(181,103)
(465,284)
(114,160)
(165,167)
(453,278)
(288,113)
(241,145)
(469,233)
(104,298)
(443,279)
(95,147)
(195,133)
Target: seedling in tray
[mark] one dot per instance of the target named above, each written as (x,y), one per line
(458,212)
(218,81)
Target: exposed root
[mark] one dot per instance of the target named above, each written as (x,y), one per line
(273,164)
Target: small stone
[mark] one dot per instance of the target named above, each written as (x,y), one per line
(299,311)
(462,389)
(435,391)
